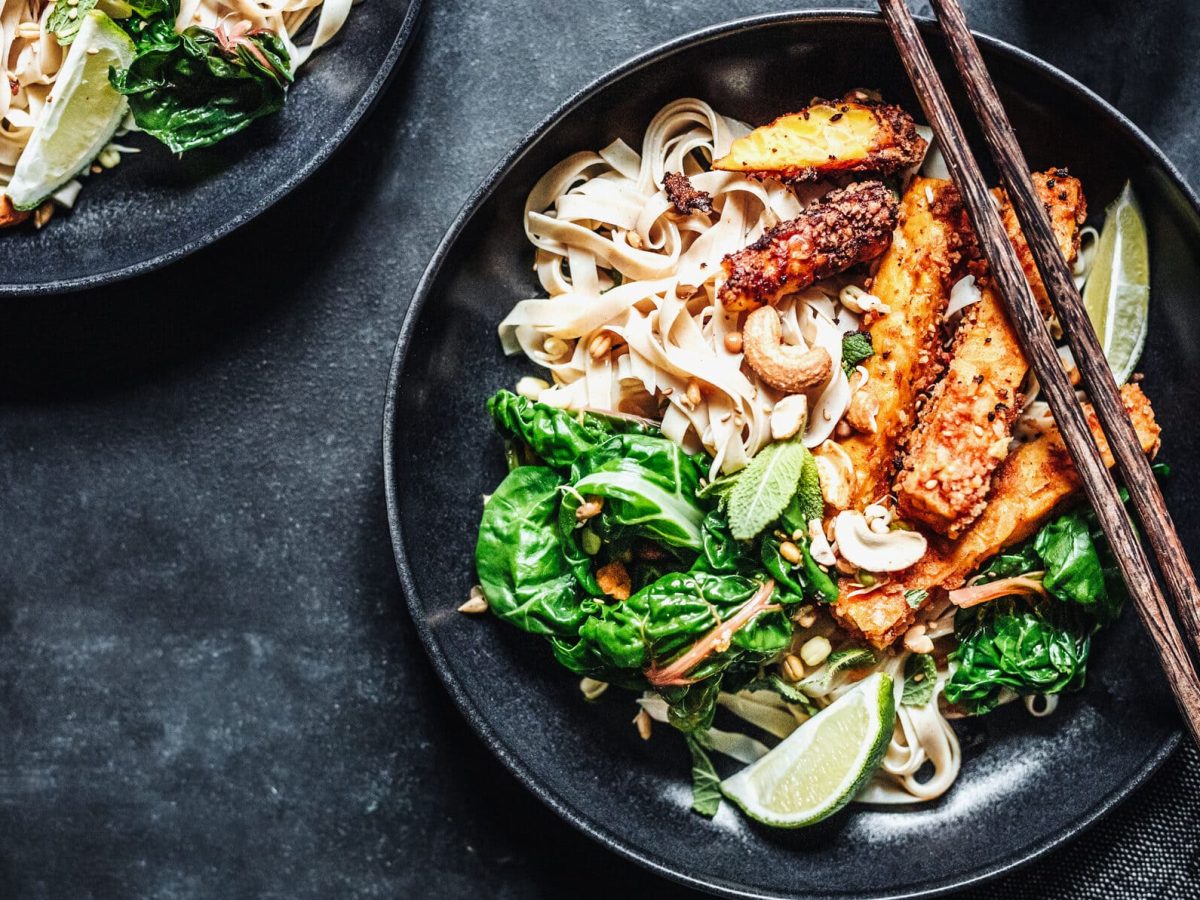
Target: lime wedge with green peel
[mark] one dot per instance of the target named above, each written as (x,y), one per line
(823,764)
(1117,293)
(80,118)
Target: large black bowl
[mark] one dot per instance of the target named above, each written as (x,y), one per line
(1027,784)
(155,207)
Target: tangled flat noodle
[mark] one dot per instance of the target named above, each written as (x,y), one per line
(614,256)
(33,56)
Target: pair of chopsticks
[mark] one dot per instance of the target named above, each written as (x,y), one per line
(1097,379)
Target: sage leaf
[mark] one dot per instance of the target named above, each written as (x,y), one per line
(920,679)
(765,488)
(706,784)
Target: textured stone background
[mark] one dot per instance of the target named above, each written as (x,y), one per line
(208,683)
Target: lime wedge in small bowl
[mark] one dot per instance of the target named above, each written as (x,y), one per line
(80,118)
(1117,293)
(823,764)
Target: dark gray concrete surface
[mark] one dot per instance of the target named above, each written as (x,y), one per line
(208,683)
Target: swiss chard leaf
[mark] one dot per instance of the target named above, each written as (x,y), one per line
(706,784)
(555,437)
(662,621)
(721,553)
(1029,649)
(192,89)
(1073,571)
(648,488)
(524,575)
(920,680)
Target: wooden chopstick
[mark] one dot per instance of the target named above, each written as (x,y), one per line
(1035,339)
(1144,492)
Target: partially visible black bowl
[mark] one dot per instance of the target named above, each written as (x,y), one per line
(155,207)
(1027,784)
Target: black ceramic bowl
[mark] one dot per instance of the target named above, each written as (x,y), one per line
(155,207)
(1027,784)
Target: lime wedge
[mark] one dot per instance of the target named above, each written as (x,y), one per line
(1117,293)
(84,112)
(820,766)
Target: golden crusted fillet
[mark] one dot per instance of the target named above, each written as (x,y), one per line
(913,281)
(1062,197)
(1035,482)
(847,226)
(826,138)
(964,429)
(9,214)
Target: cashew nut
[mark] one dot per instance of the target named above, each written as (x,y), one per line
(784,367)
(788,416)
(861,412)
(891,551)
(835,472)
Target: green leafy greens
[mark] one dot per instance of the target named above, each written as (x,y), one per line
(194,88)
(553,437)
(1039,648)
(522,569)
(189,88)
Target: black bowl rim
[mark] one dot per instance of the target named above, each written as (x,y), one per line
(579,819)
(390,64)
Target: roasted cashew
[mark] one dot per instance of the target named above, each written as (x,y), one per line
(782,366)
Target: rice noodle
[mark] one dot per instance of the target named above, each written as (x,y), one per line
(614,256)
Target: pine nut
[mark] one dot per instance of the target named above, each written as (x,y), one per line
(591,688)
(600,345)
(815,650)
(476,602)
(792,667)
(733,342)
(693,392)
(531,388)
(790,552)
(643,723)
(555,348)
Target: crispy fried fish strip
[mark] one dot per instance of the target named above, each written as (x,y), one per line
(828,137)
(964,429)
(846,226)
(1034,483)
(913,281)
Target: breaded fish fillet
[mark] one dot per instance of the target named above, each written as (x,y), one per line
(1034,483)
(828,137)
(847,226)
(964,430)
(913,281)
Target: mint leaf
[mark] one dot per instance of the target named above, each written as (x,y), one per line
(65,25)
(764,488)
(784,689)
(838,661)
(706,784)
(920,679)
(856,349)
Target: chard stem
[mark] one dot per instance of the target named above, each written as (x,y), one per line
(1029,584)
(675,674)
